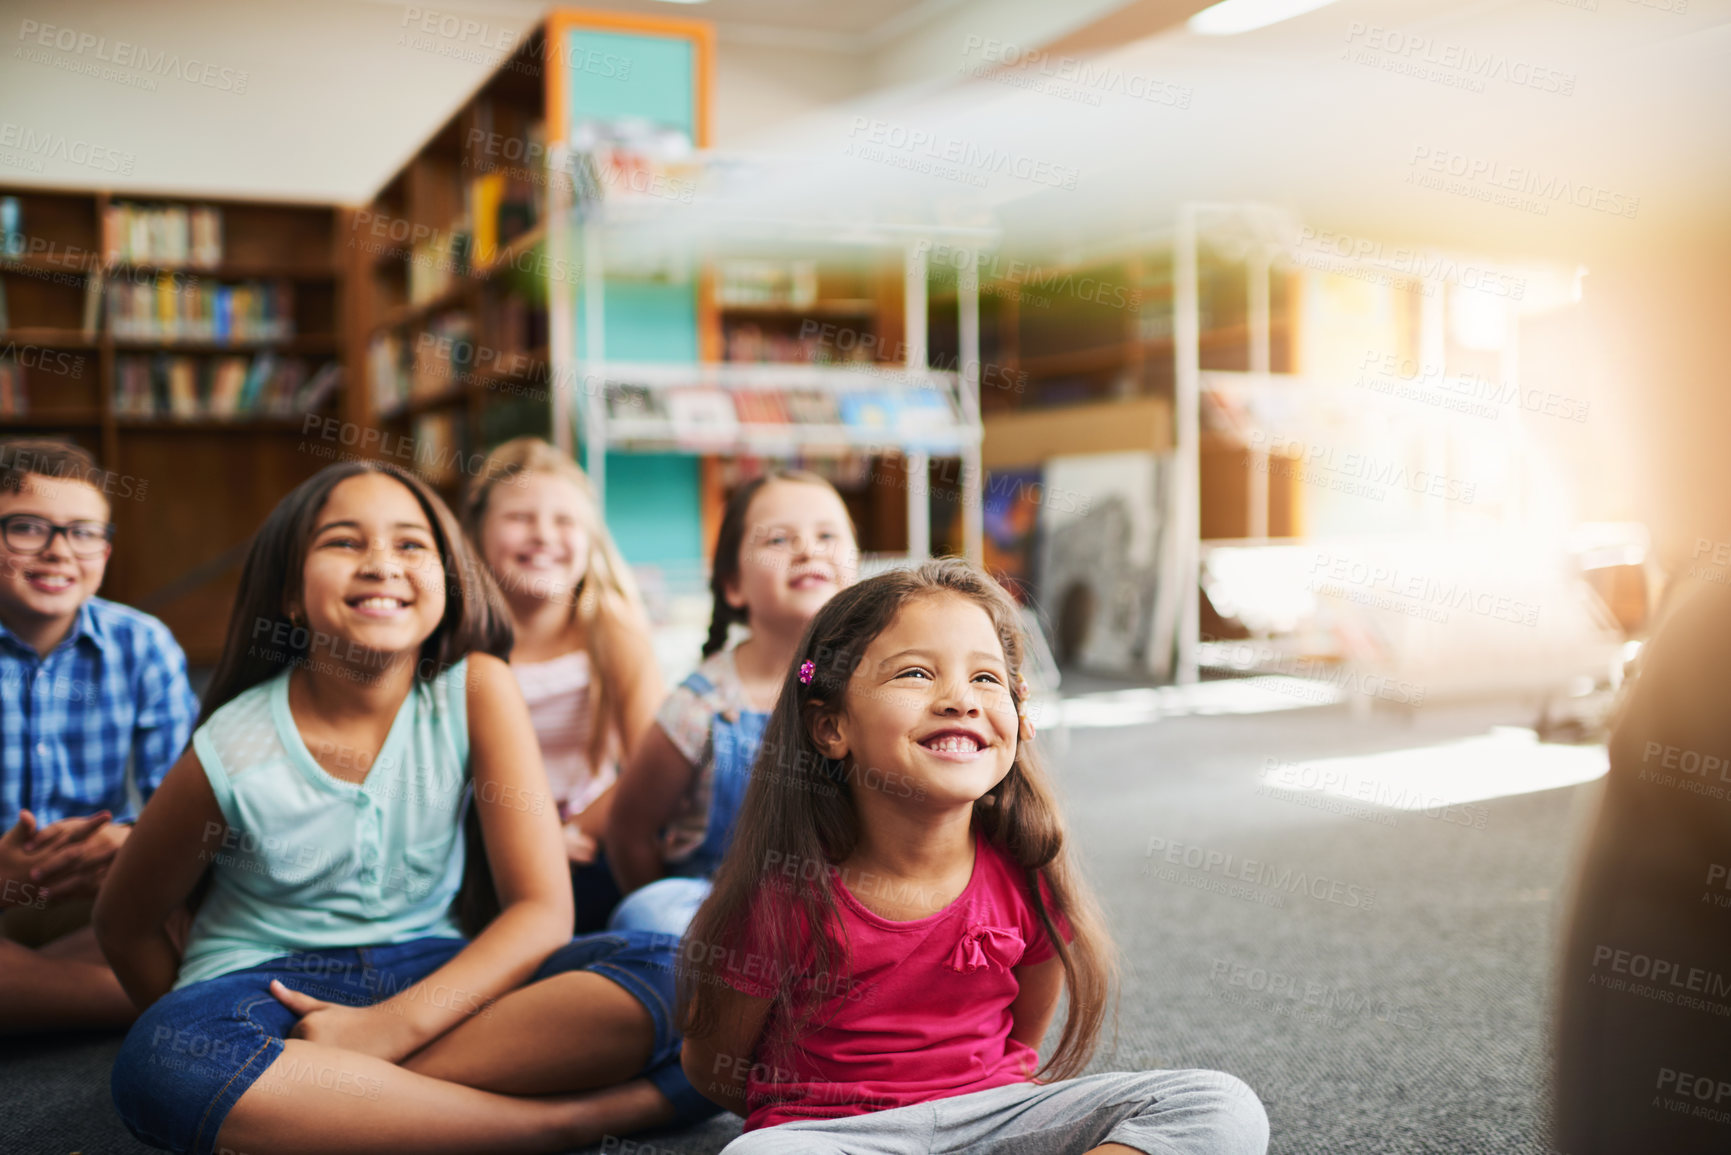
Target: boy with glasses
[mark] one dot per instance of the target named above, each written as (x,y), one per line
(87,687)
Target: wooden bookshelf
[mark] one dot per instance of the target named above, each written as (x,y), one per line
(432,212)
(193,487)
(489,315)
(1117,346)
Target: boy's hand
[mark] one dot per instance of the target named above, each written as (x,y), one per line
(16,889)
(66,831)
(74,854)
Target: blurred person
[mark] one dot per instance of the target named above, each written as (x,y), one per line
(87,687)
(582,653)
(786,545)
(1643,1037)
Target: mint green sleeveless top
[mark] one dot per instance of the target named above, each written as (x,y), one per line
(310,862)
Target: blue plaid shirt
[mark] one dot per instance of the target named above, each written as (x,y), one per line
(114,689)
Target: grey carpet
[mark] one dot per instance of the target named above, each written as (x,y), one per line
(1418,1025)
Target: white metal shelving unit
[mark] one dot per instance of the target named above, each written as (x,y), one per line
(686,234)
(1265,234)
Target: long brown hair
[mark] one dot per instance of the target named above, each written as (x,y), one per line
(606,590)
(797,806)
(730,539)
(475,620)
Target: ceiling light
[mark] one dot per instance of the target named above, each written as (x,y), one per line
(1230,17)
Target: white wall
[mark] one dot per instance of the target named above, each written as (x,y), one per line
(336,94)
(759,87)
(933,50)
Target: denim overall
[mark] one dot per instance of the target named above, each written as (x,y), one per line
(668,905)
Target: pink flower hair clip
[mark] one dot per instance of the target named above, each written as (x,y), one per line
(806,669)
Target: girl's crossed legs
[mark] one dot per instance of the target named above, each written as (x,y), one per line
(208,1068)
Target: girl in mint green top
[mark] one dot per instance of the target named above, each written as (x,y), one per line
(310,860)
(362,743)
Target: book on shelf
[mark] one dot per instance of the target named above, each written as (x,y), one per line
(869,409)
(631,159)
(227,379)
(485,193)
(387,374)
(906,414)
(13,401)
(180,385)
(761,407)
(92,302)
(750,342)
(435,264)
(701,414)
(437,447)
(444,356)
(171,308)
(169,235)
(923,414)
(510,322)
(320,387)
(12,240)
(633,401)
(813,407)
(766,283)
(504,203)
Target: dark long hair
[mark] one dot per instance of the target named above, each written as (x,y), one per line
(730,538)
(475,620)
(796,808)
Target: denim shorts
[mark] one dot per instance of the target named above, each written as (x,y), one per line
(665,906)
(195,1051)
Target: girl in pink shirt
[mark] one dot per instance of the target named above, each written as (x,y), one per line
(898,914)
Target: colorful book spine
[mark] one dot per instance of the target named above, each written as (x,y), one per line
(169,235)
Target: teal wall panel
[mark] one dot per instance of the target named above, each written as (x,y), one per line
(646,321)
(653,510)
(652,500)
(623,74)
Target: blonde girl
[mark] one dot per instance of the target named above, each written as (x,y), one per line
(582,653)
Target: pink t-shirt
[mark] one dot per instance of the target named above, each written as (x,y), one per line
(924,1012)
(559,699)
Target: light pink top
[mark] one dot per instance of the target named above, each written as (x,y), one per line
(557,691)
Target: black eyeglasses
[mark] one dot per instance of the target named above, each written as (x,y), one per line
(28,534)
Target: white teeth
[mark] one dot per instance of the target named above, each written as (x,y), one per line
(379,604)
(954,744)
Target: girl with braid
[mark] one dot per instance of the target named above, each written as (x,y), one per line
(785,547)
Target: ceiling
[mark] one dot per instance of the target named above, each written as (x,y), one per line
(853,27)
(1323,114)
(1526,127)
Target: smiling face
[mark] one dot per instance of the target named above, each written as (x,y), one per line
(798,550)
(373,577)
(534,539)
(42,592)
(928,714)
